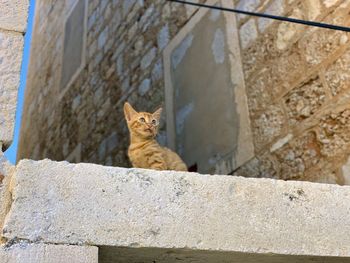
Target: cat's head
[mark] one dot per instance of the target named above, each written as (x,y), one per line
(142,124)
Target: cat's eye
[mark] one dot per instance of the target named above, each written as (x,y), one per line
(142,119)
(154,122)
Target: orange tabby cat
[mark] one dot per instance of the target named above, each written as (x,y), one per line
(144,151)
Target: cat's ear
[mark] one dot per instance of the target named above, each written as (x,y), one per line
(129,111)
(158,113)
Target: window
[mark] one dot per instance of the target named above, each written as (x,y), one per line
(74,44)
(207,113)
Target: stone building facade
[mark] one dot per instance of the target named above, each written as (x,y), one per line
(176,216)
(121,35)
(289,84)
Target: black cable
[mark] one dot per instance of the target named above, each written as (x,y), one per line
(280,18)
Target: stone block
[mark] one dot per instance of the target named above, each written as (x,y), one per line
(248,33)
(320,44)
(275,8)
(297,156)
(102,38)
(11,47)
(148,58)
(44,253)
(6,172)
(334,133)
(268,125)
(127,4)
(337,74)
(142,215)
(258,92)
(163,37)
(330,3)
(13,15)
(247,5)
(287,32)
(304,101)
(147,18)
(144,87)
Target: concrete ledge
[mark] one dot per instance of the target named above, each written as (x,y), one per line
(41,253)
(169,214)
(13,15)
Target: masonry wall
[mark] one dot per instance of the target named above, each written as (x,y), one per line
(125,40)
(295,79)
(297,82)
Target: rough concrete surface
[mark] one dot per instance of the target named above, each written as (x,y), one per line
(43,253)
(13,15)
(11,47)
(177,212)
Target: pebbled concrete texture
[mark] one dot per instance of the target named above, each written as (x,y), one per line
(11,47)
(178,213)
(44,253)
(14,15)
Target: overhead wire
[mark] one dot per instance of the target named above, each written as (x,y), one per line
(269,16)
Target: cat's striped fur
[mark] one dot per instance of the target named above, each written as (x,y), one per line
(144,151)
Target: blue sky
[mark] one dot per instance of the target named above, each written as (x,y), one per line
(12,151)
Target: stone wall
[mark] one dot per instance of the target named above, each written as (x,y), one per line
(297,85)
(295,81)
(125,40)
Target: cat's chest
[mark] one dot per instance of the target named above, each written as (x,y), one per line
(139,156)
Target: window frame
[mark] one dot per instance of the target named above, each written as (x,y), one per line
(63,90)
(245,146)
